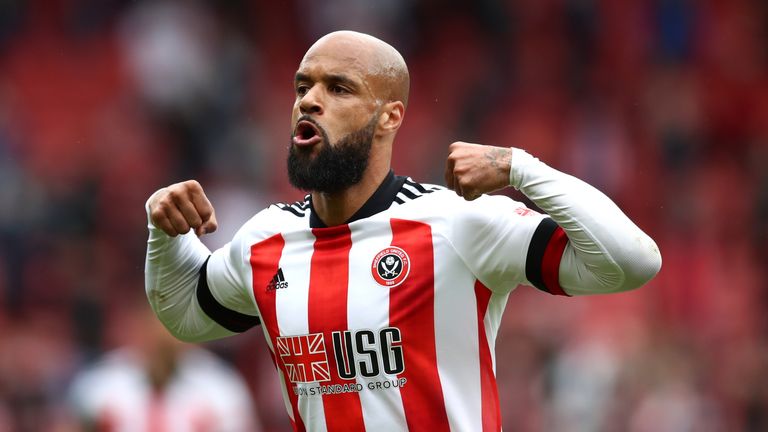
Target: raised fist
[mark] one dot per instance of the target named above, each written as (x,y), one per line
(180,207)
(474,169)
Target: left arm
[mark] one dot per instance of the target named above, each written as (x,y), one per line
(605,250)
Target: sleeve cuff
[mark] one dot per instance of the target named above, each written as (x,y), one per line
(520,161)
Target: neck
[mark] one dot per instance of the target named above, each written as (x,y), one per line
(336,209)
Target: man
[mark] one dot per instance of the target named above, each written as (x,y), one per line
(380,297)
(153,382)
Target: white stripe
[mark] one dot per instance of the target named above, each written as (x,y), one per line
(412,189)
(456,339)
(283,388)
(292,311)
(368,308)
(496,306)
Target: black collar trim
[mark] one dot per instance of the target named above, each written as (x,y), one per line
(381,200)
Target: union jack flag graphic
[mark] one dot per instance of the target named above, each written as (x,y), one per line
(304,357)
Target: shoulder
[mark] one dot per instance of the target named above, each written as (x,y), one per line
(441,199)
(412,190)
(275,219)
(298,209)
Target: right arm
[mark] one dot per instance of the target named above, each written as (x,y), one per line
(194,293)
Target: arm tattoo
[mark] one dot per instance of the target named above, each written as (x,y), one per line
(500,159)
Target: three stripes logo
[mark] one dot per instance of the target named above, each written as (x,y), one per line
(278,281)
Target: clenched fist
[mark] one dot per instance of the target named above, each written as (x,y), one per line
(180,207)
(474,169)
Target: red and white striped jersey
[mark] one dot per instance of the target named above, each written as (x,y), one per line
(387,322)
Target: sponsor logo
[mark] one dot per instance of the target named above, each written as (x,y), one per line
(304,357)
(364,353)
(278,281)
(525,211)
(390,267)
(329,389)
(364,359)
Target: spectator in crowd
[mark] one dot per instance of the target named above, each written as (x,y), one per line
(159,384)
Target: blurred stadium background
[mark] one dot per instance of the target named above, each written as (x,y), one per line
(663,104)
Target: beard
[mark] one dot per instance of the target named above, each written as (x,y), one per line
(335,167)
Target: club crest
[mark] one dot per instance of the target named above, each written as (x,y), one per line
(390,267)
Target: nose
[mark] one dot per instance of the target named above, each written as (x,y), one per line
(311,102)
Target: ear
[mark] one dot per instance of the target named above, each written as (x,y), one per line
(391,117)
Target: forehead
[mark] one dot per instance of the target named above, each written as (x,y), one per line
(319,66)
(338,57)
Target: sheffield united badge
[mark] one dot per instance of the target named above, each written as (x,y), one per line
(390,267)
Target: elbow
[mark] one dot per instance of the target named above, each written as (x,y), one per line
(630,271)
(190,330)
(644,265)
(179,324)
(177,329)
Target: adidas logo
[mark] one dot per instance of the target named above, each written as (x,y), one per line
(278,281)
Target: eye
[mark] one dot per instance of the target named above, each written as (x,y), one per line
(337,89)
(302,89)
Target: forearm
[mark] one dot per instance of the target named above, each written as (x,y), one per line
(607,252)
(171,275)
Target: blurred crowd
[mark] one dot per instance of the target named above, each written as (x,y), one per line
(662,104)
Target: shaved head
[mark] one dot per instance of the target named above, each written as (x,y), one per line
(382,63)
(351,90)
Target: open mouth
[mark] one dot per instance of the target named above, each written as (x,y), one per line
(306,134)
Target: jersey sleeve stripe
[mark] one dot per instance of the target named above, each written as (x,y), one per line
(229,319)
(408,193)
(292,209)
(542,263)
(416,186)
(550,263)
(412,188)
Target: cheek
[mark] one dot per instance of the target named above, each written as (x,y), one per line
(333,131)
(341,126)
(353,120)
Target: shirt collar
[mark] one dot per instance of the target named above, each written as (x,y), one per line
(377,203)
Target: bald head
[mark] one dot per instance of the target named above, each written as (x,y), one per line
(381,62)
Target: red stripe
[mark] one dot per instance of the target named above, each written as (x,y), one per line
(412,310)
(488,388)
(265,260)
(550,263)
(328,286)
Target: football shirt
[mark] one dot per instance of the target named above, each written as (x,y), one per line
(387,322)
